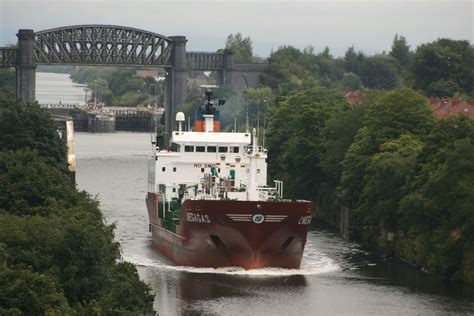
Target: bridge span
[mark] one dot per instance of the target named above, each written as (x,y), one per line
(107,45)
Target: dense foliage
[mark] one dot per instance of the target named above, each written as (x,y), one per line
(7,83)
(27,126)
(402,173)
(57,255)
(440,68)
(444,67)
(399,170)
(119,86)
(241,47)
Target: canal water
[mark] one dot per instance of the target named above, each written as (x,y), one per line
(336,278)
(53,88)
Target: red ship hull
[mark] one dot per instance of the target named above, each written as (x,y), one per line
(224,233)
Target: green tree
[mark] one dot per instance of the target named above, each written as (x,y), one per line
(444,67)
(398,112)
(289,72)
(386,174)
(30,185)
(56,252)
(25,292)
(437,212)
(379,72)
(351,82)
(28,126)
(7,84)
(294,139)
(400,50)
(241,46)
(353,61)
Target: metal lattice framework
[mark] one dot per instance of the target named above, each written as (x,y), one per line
(102,45)
(204,60)
(8,57)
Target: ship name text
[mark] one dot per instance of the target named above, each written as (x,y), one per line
(304,220)
(204,165)
(198,218)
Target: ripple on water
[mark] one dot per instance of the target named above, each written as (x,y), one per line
(313,262)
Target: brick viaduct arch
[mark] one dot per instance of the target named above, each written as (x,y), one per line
(122,46)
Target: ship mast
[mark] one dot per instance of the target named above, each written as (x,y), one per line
(252,193)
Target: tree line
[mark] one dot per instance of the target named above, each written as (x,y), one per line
(57,254)
(407,177)
(399,170)
(119,86)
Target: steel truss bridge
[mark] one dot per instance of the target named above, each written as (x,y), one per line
(120,46)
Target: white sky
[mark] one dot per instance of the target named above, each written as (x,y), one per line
(369,25)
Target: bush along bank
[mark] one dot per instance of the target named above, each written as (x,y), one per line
(407,178)
(57,254)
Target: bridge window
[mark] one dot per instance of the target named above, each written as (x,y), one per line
(222,149)
(200,149)
(202,170)
(163,169)
(235,149)
(189,149)
(175,147)
(211,149)
(174,169)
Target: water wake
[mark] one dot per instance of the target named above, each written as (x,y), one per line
(313,263)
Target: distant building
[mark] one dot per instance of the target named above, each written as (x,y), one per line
(442,106)
(149,74)
(355,96)
(445,106)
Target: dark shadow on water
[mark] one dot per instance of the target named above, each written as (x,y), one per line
(394,272)
(363,264)
(188,292)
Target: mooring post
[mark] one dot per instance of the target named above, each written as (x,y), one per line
(26,67)
(176,81)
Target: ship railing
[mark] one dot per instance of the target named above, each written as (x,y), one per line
(265,193)
(272,192)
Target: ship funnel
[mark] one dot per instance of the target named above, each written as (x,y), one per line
(208,122)
(180,119)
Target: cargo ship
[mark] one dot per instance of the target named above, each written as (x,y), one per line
(209,204)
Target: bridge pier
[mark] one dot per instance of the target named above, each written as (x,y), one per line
(176,81)
(228,63)
(240,76)
(26,67)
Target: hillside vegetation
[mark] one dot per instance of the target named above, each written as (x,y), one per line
(57,254)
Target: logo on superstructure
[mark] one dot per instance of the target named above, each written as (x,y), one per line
(257,218)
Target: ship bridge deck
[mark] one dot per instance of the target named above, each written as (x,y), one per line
(211,138)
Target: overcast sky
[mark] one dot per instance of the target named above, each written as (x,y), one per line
(368,25)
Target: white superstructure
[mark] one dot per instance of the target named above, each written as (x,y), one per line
(210,165)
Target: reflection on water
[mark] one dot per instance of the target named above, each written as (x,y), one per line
(337,276)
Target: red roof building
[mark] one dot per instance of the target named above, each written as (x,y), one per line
(444,106)
(441,106)
(354,96)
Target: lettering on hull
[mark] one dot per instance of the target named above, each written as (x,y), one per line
(198,218)
(304,220)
